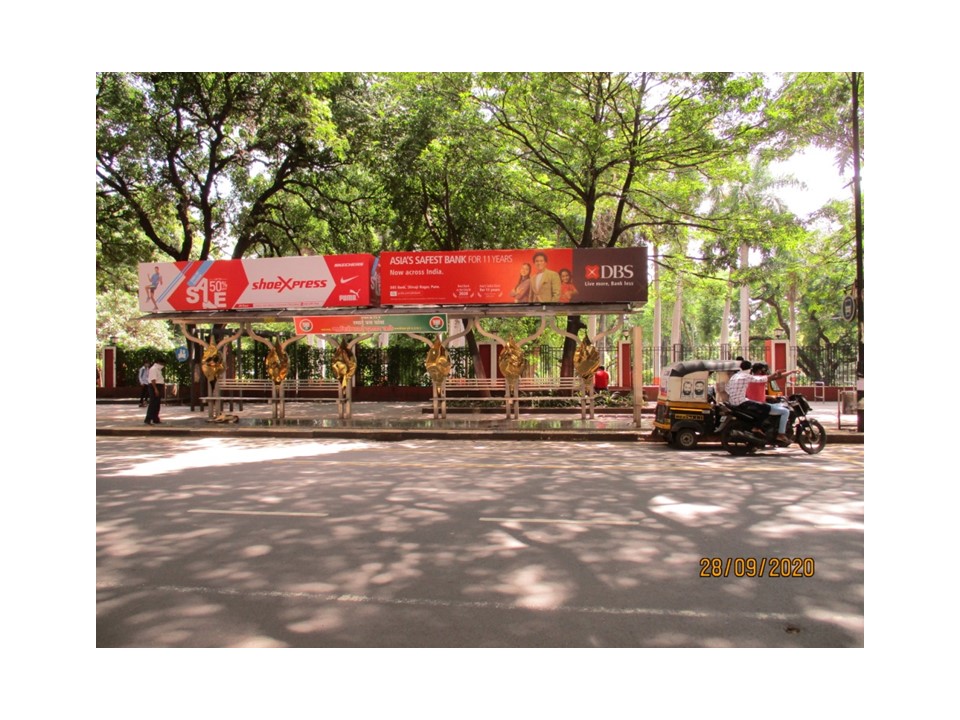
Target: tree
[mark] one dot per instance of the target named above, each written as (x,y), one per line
(826,110)
(633,150)
(118,317)
(445,179)
(208,164)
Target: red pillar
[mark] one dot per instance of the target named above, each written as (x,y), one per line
(109,366)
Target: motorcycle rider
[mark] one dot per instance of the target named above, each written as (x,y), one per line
(737,392)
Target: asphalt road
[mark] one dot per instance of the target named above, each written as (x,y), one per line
(227,542)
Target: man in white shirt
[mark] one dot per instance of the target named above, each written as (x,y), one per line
(155,377)
(737,392)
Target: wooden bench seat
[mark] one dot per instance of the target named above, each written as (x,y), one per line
(527,385)
(530,390)
(294,390)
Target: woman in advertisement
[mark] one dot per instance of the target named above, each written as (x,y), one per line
(521,292)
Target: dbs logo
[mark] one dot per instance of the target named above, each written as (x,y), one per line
(608,272)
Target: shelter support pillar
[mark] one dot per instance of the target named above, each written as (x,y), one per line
(637,372)
(109,371)
(587,397)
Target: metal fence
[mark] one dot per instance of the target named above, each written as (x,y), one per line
(831,364)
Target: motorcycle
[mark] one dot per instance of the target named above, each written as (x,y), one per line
(737,434)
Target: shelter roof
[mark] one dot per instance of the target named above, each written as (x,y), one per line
(457,311)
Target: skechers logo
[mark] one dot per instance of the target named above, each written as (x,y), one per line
(282,283)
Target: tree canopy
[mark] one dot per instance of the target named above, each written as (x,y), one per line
(228,165)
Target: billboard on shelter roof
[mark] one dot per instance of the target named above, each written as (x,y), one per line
(491,277)
(272,283)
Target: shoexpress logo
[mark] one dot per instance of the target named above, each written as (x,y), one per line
(608,272)
(282,283)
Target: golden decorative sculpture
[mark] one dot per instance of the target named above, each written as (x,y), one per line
(586,358)
(512,363)
(437,362)
(278,364)
(225,418)
(343,364)
(211,364)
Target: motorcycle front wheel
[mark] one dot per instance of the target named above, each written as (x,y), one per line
(811,438)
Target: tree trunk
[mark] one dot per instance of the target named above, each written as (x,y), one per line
(574,326)
(744,305)
(725,327)
(478,369)
(657,318)
(858,219)
(676,338)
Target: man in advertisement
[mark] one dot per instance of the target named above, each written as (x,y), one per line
(546,283)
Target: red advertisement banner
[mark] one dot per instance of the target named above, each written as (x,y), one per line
(273,283)
(533,277)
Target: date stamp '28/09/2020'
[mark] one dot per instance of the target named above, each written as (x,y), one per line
(768,567)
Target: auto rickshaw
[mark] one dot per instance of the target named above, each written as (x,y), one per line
(687,404)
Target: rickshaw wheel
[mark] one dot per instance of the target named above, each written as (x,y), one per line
(734,445)
(685,439)
(813,439)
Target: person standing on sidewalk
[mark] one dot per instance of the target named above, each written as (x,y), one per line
(144,377)
(156,393)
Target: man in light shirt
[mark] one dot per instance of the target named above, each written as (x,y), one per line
(155,377)
(737,392)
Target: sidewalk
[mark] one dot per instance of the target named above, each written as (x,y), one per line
(407,420)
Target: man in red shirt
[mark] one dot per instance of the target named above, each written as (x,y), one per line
(757,391)
(601,379)
(756,381)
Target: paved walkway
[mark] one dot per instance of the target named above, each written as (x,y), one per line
(407,420)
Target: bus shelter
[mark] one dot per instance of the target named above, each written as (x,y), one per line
(344,328)
(348,298)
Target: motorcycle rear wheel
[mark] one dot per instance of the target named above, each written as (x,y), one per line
(813,438)
(735,445)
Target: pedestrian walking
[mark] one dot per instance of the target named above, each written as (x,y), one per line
(156,386)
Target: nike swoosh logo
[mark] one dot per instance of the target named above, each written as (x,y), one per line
(346,280)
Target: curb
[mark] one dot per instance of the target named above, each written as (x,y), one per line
(400,434)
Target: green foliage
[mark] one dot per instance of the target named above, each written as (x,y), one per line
(446,181)
(612,155)
(130,360)
(117,317)
(815,108)
(205,165)
(227,164)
